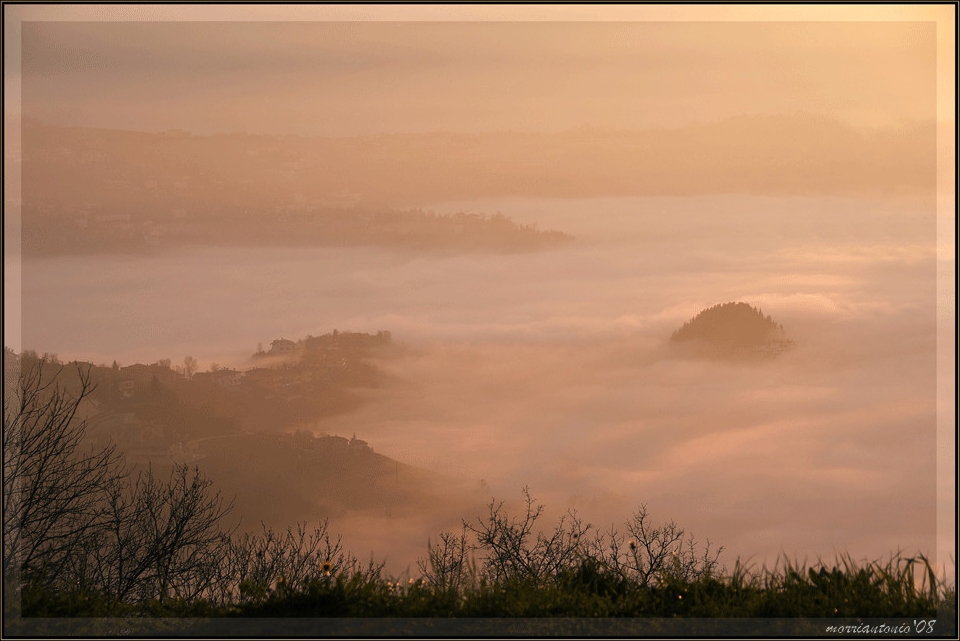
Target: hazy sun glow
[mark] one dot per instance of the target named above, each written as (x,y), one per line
(200,179)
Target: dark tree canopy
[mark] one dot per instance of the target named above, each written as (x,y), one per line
(730,325)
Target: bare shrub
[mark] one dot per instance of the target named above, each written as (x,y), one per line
(447,566)
(650,554)
(514,548)
(255,564)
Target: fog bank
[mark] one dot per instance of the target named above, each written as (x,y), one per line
(551,369)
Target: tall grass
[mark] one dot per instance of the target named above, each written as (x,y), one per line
(511,566)
(842,589)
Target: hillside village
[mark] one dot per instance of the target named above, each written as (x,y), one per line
(163,413)
(259,432)
(92,190)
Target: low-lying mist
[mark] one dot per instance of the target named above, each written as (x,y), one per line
(552,369)
(828,447)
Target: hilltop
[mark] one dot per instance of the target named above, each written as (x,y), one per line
(247,429)
(732,329)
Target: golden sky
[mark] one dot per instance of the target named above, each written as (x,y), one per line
(375,69)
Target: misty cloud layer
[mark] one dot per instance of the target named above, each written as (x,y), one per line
(551,369)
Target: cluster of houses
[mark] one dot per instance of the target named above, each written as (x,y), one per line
(124,401)
(129,405)
(310,447)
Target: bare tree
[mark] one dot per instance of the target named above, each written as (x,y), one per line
(189,366)
(158,539)
(51,486)
(73,518)
(182,533)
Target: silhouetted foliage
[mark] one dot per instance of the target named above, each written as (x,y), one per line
(737,323)
(255,565)
(78,520)
(513,548)
(83,537)
(53,489)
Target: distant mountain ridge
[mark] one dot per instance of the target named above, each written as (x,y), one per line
(99,189)
(762,153)
(733,327)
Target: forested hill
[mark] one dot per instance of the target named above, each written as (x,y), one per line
(265,431)
(732,328)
